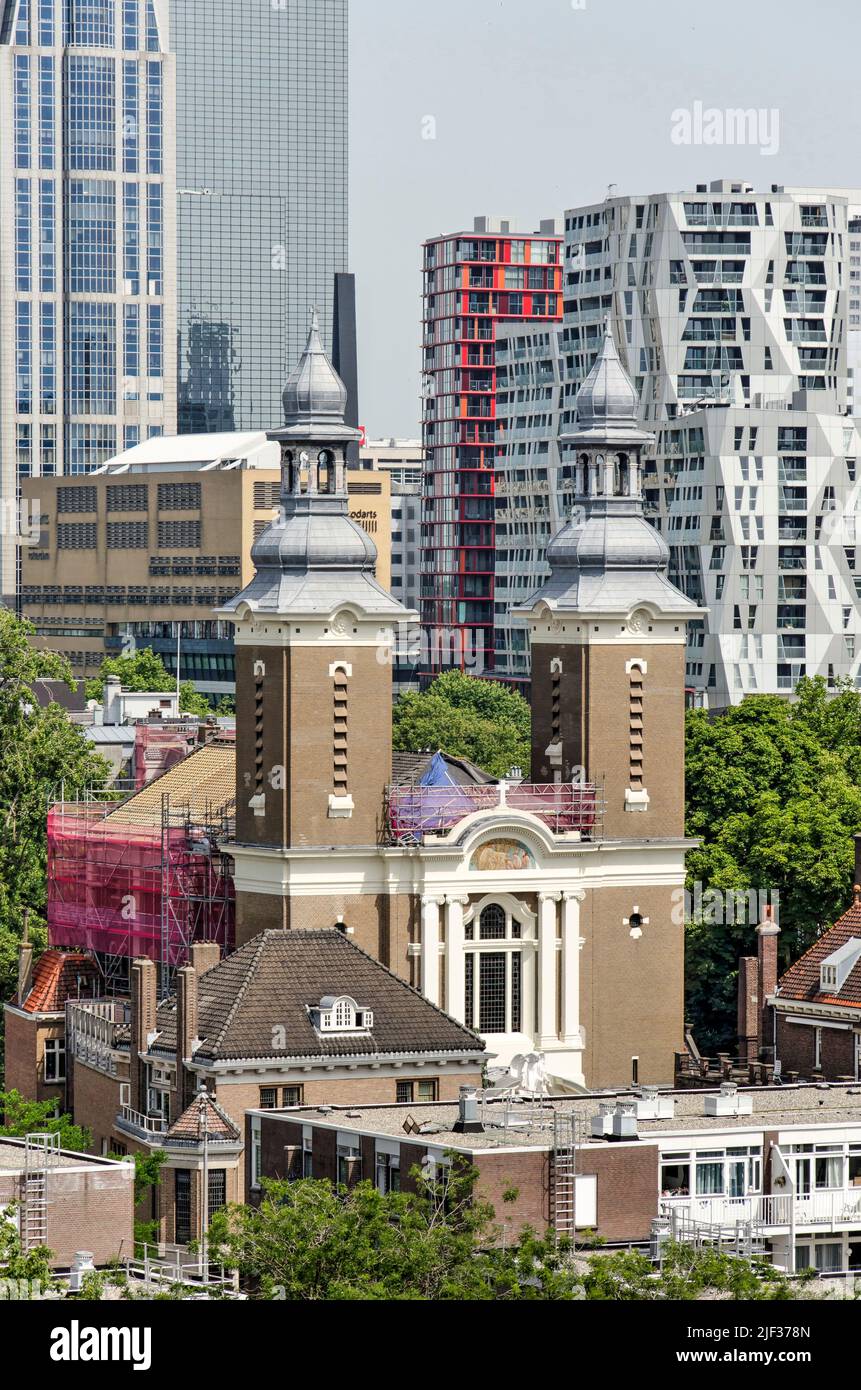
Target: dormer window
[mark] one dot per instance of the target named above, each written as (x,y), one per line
(836,968)
(341,1014)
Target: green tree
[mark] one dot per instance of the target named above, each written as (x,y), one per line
(309,1240)
(41,752)
(466,717)
(31,1266)
(144,669)
(22,1116)
(774,797)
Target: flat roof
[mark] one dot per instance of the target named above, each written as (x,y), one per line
(530,1123)
(13,1152)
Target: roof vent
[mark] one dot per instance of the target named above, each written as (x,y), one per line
(602,1123)
(651,1104)
(728,1101)
(624,1120)
(468,1121)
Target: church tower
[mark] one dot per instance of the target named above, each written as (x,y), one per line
(608,628)
(314,639)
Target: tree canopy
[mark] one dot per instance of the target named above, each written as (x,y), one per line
(774,796)
(21,1116)
(309,1240)
(468,717)
(41,752)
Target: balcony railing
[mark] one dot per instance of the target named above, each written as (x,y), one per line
(145,1124)
(829,1209)
(415,812)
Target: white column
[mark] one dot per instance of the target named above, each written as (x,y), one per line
(547,1029)
(455,995)
(430,949)
(571,967)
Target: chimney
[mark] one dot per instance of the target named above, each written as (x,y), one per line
(748,1008)
(25,960)
(143,1021)
(768,931)
(186,1033)
(204,955)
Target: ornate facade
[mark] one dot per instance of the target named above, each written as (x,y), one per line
(537,912)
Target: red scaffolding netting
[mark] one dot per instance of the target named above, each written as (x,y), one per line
(135,890)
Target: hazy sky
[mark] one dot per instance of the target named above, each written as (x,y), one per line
(539,105)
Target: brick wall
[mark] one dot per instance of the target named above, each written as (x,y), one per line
(89,1208)
(796,1049)
(631,991)
(25,1055)
(97,1101)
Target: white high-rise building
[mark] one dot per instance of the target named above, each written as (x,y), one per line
(731,310)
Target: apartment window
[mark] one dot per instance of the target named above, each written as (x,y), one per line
(268,1098)
(182,1205)
(55,1060)
(291,1095)
(388,1174)
(417,1092)
(216,1193)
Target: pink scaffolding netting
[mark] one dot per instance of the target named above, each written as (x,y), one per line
(134,890)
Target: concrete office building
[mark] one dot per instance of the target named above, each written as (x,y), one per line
(158,537)
(262,198)
(728,303)
(87,271)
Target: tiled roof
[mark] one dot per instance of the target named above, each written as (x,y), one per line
(58,976)
(408,768)
(204,1113)
(202,785)
(255,1003)
(802,979)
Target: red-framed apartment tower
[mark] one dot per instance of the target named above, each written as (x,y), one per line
(472,281)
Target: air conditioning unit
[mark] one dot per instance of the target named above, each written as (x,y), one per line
(728,1101)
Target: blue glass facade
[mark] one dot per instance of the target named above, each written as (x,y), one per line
(88,359)
(262,197)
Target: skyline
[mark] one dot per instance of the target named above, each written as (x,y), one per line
(558,59)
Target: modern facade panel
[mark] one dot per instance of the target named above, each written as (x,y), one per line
(733,310)
(472,282)
(262,202)
(87,266)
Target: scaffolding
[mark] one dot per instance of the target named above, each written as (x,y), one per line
(41,1153)
(415,811)
(149,884)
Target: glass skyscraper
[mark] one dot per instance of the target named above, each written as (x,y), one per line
(262,197)
(87,190)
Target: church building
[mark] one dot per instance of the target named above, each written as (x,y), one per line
(539,913)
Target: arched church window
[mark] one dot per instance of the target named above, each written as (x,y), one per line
(492,923)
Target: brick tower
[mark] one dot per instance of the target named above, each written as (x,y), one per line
(314,637)
(608,628)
